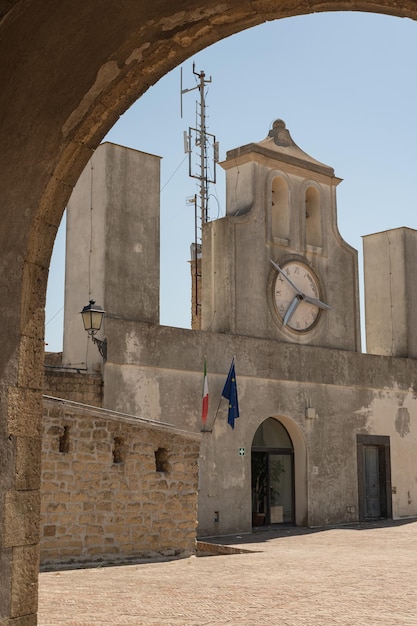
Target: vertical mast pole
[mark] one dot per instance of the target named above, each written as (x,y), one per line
(201,172)
(203,150)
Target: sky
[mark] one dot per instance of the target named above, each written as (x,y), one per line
(344,83)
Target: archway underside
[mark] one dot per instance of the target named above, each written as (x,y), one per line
(69,84)
(68,71)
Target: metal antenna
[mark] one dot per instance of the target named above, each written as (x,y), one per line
(199,137)
(205,142)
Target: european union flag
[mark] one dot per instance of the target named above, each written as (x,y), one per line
(230,393)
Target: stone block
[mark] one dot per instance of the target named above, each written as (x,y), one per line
(7,458)
(63,518)
(5,580)
(47,465)
(48,475)
(21,519)
(50,486)
(91,530)
(60,496)
(34,281)
(25,569)
(75,545)
(49,531)
(28,463)
(105,506)
(93,540)
(80,496)
(24,412)
(55,430)
(30,372)
(100,433)
(101,551)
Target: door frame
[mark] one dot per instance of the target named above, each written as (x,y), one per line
(382,442)
(286,452)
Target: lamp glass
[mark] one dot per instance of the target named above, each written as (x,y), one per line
(92,317)
(96,319)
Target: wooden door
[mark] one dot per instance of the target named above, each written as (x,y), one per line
(372,482)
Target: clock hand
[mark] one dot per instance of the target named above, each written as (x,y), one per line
(316,302)
(309,299)
(292,309)
(286,277)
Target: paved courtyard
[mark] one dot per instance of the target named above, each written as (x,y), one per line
(349,576)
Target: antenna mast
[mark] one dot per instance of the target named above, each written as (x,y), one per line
(201,139)
(204,170)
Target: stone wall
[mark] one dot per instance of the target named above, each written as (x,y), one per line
(114,488)
(71,383)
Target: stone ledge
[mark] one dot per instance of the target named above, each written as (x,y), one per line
(214,549)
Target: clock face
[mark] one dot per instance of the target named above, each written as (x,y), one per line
(292,284)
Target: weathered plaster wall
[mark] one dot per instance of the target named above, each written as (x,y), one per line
(112,246)
(390,259)
(158,371)
(103,499)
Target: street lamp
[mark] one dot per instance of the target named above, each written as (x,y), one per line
(92,315)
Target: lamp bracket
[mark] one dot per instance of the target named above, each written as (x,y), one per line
(101,345)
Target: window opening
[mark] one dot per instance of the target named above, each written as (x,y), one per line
(118,450)
(313,218)
(64,440)
(161,460)
(280,215)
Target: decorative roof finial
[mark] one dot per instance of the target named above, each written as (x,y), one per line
(280,134)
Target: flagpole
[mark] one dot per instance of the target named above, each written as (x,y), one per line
(204,410)
(220,401)
(230,393)
(215,417)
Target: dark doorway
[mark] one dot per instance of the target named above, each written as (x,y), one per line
(272,475)
(374,477)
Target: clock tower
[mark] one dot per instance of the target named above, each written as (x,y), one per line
(276,266)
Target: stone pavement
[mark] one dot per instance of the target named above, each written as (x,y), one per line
(346,576)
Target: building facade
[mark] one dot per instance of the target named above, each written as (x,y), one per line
(325,433)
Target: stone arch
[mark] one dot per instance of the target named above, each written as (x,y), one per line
(69,70)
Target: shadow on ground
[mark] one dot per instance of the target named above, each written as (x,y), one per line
(267,533)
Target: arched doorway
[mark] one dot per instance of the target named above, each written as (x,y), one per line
(272,473)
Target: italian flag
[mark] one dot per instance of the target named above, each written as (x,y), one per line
(204,410)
